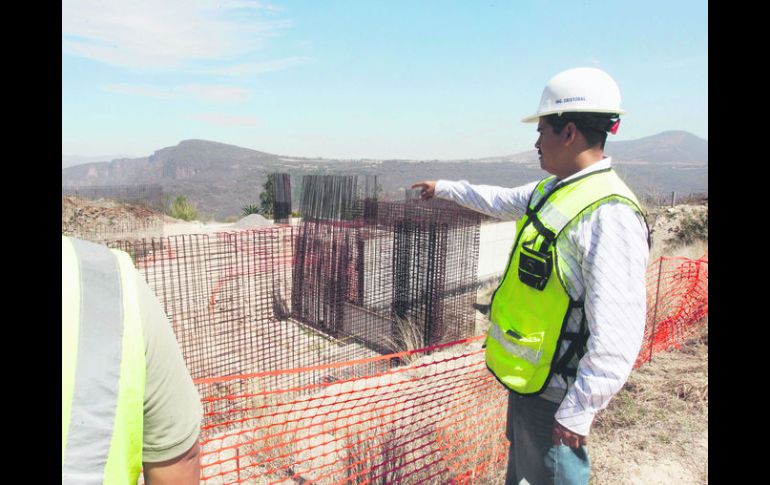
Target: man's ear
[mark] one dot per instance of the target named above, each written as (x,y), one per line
(570,132)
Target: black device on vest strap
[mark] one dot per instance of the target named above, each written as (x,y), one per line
(536,265)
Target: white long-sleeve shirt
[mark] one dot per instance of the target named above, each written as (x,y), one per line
(604,255)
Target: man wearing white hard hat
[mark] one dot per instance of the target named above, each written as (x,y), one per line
(568,316)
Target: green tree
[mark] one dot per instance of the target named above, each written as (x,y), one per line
(181,208)
(267,198)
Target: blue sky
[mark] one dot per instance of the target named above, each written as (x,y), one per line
(376,79)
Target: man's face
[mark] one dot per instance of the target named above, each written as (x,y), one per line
(549,147)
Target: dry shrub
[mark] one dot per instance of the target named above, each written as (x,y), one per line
(407,335)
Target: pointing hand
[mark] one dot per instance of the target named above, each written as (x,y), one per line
(428,188)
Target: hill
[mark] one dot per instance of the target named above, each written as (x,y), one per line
(221,178)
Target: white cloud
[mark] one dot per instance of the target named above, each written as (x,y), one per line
(225,119)
(251,68)
(199,92)
(163,34)
(216,94)
(141,90)
(249,4)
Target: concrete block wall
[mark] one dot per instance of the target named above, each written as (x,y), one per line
(495,244)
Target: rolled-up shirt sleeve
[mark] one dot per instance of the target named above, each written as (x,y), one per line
(613,240)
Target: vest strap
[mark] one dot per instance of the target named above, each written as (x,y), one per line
(547,233)
(97,374)
(577,343)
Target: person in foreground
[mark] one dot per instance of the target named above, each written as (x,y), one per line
(127,398)
(568,316)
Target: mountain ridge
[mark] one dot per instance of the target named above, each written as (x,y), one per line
(221,178)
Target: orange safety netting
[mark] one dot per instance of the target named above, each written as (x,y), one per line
(438,419)
(433,415)
(677,302)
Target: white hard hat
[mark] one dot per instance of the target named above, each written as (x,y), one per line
(585,89)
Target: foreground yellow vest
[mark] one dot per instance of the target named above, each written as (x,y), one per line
(531,306)
(103,366)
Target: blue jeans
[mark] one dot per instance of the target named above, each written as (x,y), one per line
(570,466)
(531,455)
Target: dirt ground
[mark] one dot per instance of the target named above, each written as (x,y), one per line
(655,430)
(105,219)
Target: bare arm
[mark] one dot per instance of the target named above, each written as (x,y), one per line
(184,469)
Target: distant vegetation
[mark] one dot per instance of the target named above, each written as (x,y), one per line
(181,208)
(692,228)
(267,198)
(250,209)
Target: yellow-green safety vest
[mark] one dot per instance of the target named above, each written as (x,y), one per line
(103,366)
(531,306)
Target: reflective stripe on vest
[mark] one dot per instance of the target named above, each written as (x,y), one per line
(531,306)
(103,372)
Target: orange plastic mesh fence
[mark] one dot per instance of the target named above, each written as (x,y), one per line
(677,303)
(440,418)
(434,415)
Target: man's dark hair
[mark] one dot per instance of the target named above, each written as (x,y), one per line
(593,126)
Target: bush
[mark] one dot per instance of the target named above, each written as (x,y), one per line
(182,209)
(250,209)
(691,229)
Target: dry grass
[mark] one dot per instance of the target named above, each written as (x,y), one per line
(366,450)
(655,430)
(672,235)
(407,336)
(484,297)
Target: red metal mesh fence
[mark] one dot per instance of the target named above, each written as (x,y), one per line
(281,190)
(228,299)
(325,291)
(405,276)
